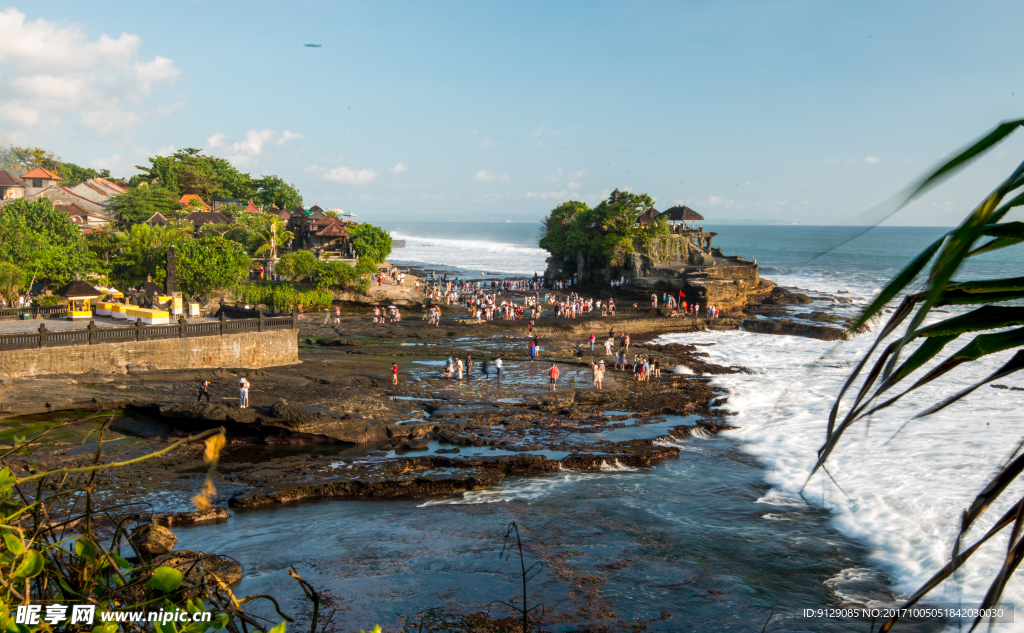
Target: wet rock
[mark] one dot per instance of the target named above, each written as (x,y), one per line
(193,565)
(822,332)
(442,451)
(190,518)
(153,540)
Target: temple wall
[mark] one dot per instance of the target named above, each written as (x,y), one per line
(251,350)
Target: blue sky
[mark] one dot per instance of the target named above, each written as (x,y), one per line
(810,112)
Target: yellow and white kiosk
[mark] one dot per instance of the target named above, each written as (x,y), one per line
(79,296)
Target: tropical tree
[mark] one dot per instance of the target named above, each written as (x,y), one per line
(12,281)
(211,263)
(138,204)
(371,242)
(275,232)
(608,230)
(991,307)
(142,251)
(275,192)
(297,265)
(42,241)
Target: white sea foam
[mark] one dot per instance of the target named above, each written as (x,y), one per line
(906,492)
(616,465)
(474,256)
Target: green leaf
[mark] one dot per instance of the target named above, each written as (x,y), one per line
(219,621)
(67,589)
(14,543)
(108,627)
(280,628)
(85,549)
(16,628)
(31,565)
(122,563)
(898,283)
(166,579)
(6,478)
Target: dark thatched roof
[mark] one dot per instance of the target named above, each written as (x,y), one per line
(682,213)
(647,216)
(78,288)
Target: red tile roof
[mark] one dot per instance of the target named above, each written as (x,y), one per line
(189,197)
(41,173)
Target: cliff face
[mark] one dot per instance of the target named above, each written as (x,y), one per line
(669,264)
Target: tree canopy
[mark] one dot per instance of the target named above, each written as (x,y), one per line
(609,229)
(371,242)
(19,160)
(190,171)
(43,241)
(138,204)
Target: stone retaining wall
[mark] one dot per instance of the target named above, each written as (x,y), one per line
(251,350)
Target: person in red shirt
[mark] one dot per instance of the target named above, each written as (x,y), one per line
(554,376)
(394,373)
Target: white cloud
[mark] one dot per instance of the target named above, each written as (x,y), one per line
(831,160)
(288,136)
(215,141)
(49,72)
(872,159)
(485,143)
(555,177)
(714,201)
(573,185)
(399,169)
(252,145)
(487,176)
(351,176)
(578,174)
(166,151)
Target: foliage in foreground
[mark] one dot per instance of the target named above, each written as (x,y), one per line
(52,553)
(998,316)
(42,241)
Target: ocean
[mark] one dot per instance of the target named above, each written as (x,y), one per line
(733,513)
(901,495)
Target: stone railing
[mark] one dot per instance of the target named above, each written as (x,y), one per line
(93,335)
(17,314)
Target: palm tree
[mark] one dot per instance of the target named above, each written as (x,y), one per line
(982,231)
(276,232)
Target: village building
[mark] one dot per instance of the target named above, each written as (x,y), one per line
(157,219)
(39,179)
(11,187)
(98,190)
(199,218)
(187,201)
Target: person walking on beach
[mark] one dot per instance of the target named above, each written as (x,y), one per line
(625,341)
(533,351)
(469,365)
(486,370)
(553,373)
(608,346)
(459,367)
(497,367)
(599,375)
(243,393)
(204,390)
(592,339)
(394,373)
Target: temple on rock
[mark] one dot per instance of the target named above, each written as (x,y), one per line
(677,257)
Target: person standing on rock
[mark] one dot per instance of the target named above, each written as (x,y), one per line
(592,339)
(497,367)
(625,341)
(608,346)
(243,393)
(394,373)
(485,369)
(204,390)
(469,365)
(553,373)
(459,367)
(533,351)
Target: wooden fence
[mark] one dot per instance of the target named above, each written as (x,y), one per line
(93,335)
(18,314)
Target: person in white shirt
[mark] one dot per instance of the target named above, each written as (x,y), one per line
(497,367)
(243,393)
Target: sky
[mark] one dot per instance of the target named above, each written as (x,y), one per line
(808,112)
